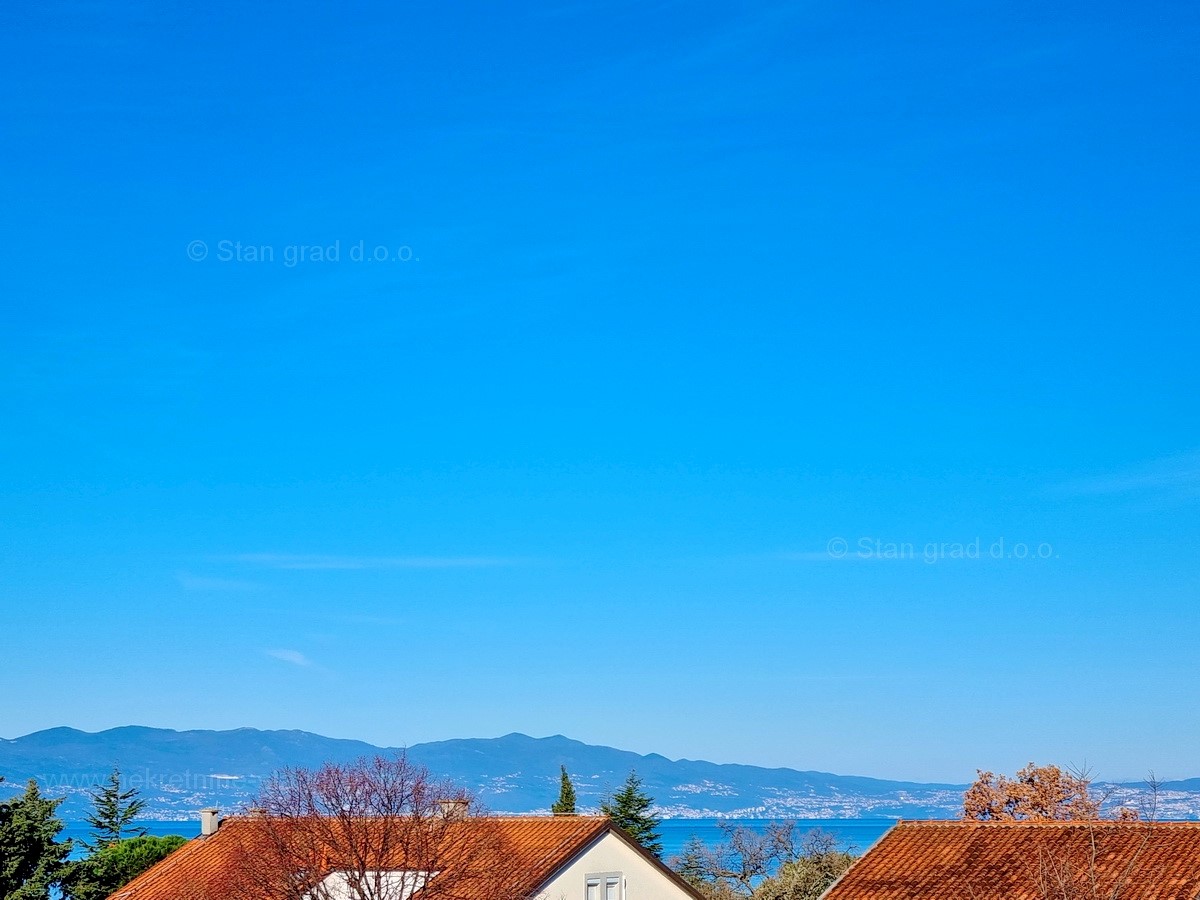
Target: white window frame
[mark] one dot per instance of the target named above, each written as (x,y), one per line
(602,880)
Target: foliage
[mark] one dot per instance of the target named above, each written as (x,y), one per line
(630,809)
(1036,794)
(112,812)
(565,805)
(819,864)
(763,864)
(115,865)
(31,860)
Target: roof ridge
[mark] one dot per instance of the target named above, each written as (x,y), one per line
(541,843)
(1049,823)
(503,817)
(948,859)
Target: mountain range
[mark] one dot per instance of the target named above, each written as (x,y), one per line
(179,772)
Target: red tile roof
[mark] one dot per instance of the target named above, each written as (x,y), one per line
(1028,861)
(538,846)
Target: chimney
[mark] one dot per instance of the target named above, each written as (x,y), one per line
(453,810)
(209,823)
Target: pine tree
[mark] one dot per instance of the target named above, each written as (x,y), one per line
(31,860)
(112,812)
(693,866)
(630,809)
(566,796)
(107,870)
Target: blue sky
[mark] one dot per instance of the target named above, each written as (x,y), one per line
(671,299)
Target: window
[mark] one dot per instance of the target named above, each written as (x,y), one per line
(605,886)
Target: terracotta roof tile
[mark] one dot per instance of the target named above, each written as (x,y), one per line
(1020,860)
(539,847)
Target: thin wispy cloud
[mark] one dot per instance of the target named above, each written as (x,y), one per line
(1177,477)
(204,583)
(322,562)
(295,657)
(808,556)
(362,619)
(846,554)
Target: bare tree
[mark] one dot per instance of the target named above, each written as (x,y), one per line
(1064,872)
(812,868)
(768,864)
(737,865)
(379,829)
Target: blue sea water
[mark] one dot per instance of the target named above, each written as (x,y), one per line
(81,831)
(856,835)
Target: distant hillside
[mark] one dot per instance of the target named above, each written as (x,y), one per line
(179,772)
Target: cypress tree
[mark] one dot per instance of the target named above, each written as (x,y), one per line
(112,812)
(630,809)
(566,796)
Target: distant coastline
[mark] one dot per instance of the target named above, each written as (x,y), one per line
(180,772)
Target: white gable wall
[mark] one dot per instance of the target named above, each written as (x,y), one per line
(642,880)
(398,884)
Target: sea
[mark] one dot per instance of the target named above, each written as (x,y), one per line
(854,835)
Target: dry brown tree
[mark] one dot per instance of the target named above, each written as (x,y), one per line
(377,829)
(1036,794)
(1089,859)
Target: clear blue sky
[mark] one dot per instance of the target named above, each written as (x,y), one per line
(685,293)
